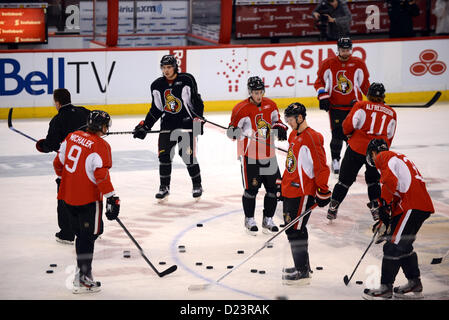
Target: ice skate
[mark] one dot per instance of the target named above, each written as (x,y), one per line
(297,278)
(84,284)
(251,226)
(59,239)
(411,290)
(385,292)
(268,226)
(333,209)
(163,193)
(335,166)
(374,208)
(197,192)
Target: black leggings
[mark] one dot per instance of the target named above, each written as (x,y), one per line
(187,151)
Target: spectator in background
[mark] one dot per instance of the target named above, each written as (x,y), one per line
(441,11)
(333,18)
(401,13)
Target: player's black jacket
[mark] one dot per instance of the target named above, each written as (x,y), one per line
(68,119)
(177,102)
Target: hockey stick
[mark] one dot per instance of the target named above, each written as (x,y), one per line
(251,138)
(345,278)
(439,260)
(434,99)
(160,274)
(130,132)
(15,130)
(197,287)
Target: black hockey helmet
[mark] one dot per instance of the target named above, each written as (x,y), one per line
(376,89)
(294,110)
(377,145)
(344,43)
(169,60)
(255,83)
(96,120)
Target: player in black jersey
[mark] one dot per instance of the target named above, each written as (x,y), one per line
(176,101)
(68,119)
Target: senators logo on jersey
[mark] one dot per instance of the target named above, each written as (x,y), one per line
(290,161)
(263,127)
(172,104)
(344,85)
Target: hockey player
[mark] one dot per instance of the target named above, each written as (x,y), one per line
(340,82)
(257,117)
(304,183)
(366,121)
(83,164)
(176,101)
(68,119)
(404,205)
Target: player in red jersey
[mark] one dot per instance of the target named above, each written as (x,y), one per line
(304,182)
(366,121)
(404,205)
(257,117)
(83,164)
(340,82)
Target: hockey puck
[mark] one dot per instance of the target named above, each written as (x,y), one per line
(182,250)
(254,270)
(281,298)
(262,271)
(269,245)
(319,268)
(282,225)
(240,252)
(199,263)
(49,271)
(162,262)
(199,225)
(209,267)
(230,267)
(53,265)
(359,282)
(181,247)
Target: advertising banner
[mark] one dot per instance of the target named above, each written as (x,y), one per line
(123,76)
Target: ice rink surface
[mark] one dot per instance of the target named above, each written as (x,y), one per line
(29,221)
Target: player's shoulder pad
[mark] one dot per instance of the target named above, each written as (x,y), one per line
(358,60)
(187,78)
(156,82)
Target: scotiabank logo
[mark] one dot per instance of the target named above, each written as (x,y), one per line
(428,63)
(233,71)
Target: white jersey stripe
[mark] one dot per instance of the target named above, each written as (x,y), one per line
(397,236)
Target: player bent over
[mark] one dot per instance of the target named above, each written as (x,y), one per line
(304,182)
(340,82)
(258,117)
(404,205)
(83,164)
(175,100)
(366,121)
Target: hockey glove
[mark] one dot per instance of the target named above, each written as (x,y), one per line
(281,130)
(234,133)
(140,131)
(112,207)
(322,197)
(325,103)
(42,147)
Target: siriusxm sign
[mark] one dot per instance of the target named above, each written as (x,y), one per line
(13,80)
(141,9)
